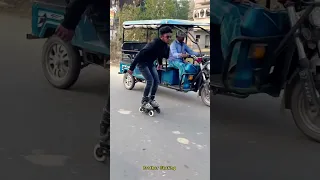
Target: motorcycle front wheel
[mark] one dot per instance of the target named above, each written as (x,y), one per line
(306,116)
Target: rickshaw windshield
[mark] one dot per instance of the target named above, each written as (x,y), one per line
(144,31)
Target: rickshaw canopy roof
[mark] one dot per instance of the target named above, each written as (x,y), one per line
(155,24)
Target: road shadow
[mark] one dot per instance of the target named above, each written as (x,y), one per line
(93,80)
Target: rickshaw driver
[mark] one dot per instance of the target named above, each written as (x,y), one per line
(157,49)
(178,51)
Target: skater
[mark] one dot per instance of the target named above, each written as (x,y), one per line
(100,18)
(157,49)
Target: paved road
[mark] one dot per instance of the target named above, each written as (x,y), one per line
(45,133)
(178,136)
(49,134)
(257,141)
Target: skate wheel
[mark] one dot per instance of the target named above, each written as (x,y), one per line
(99,153)
(151,113)
(140,109)
(158,110)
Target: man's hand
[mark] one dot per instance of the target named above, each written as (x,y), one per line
(130,72)
(159,67)
(184,55)
(64,33)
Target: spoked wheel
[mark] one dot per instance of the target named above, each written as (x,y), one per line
(99,153)
(151,113)
(61,63)
(305,115)
(205,96)
(128,81)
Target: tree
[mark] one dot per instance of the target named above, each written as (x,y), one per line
(183,9)
(191,7)
(151,9)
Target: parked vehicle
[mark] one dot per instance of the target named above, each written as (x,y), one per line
(282,54)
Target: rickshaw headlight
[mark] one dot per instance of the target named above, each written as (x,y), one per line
(190,77)
(257,51)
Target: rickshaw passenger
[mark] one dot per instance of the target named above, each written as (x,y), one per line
(157,49)
(178,51)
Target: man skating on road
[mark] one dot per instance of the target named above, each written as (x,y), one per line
(157,49)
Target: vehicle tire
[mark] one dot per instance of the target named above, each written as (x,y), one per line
(151,113)
(98,153)
(128,81)
(58,56)
(301,113)
(205,96)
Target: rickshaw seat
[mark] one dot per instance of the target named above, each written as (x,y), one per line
(261,22)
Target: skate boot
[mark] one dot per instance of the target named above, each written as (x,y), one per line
(146,107)
(102,149)
(154,104)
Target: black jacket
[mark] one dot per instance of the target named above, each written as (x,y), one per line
(155,50)
(76,8)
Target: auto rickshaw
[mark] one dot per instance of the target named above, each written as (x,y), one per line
(61,61)
(197,77)
(279,50)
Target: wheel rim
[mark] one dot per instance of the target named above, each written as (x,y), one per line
(128,81)
(308,114)
(99,152)
(206,95)
(57,62)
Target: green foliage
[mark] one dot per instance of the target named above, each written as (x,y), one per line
(152,9)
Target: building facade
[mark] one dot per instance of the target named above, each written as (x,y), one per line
(201,13)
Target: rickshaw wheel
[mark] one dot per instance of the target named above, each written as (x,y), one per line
(205,96)
(61,63)
(304,115)
(128,81)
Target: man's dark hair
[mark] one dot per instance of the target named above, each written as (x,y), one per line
(164,30)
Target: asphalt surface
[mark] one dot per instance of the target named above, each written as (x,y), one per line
(177,137)
(45,133)
(48,133)
(252,139)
